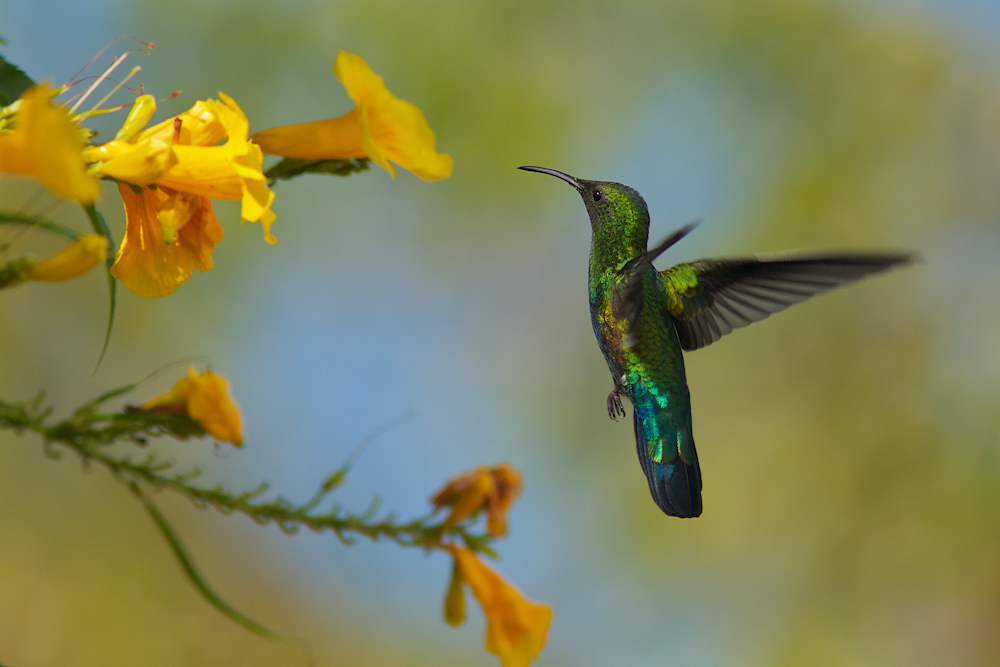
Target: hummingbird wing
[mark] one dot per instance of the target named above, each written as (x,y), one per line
(711,297)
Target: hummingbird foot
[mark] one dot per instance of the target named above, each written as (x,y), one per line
(615,408)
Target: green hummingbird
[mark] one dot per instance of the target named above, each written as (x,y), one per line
(644,318)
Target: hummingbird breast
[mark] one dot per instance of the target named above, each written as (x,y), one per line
(656,351)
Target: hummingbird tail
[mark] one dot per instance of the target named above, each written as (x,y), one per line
(669,459)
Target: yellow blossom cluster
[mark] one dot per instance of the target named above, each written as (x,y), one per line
(169,173)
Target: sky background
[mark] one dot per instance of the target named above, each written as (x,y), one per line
(849,446)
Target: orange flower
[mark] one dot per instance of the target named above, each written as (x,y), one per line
(493,489)
(516,627)
(381,127)
(167,236)
(204,398)
(47,144)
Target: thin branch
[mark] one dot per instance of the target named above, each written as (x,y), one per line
(88,433)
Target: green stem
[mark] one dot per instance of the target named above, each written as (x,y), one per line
(34,221)
(90,441)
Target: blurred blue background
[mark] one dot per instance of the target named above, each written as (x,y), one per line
(849,446)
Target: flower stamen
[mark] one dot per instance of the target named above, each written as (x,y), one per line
(70,82)
(97,82)
(135,70)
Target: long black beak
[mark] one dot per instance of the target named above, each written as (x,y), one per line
(558,174)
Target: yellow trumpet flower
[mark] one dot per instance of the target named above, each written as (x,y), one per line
(516,627)
(381,127)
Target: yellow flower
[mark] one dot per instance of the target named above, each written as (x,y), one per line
(47,144)
(515,626)
(204,398)
(181,154)
(75,260)
(493,489)
(167,236)
(229,171)
(171,230)
(381,127)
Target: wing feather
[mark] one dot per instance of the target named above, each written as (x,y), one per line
(710,298)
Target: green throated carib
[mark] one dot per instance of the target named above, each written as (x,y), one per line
(644,318)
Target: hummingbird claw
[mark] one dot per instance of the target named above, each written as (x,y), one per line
(615,409)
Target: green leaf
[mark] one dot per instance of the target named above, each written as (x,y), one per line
(194,576)
(292,167)
(13,82)
(101,227)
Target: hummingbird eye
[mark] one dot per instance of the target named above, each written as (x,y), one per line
(598,195)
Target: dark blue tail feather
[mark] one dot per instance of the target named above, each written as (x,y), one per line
(674,484)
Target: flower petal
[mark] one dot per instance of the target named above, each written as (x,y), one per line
(48,145)
(506,487)
(334,138)
(146,264)
(140,113)
(200,126)
(139,164)
(75,260)
(473,497)
(209,404)
(176,397)
(203,170)
(400,131)
(230,171)
(491,488)
(516,627)
(396,129)
(180,154)
(454,599)
(372,149)
(204,397)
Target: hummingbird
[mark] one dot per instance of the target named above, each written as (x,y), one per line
(644,319)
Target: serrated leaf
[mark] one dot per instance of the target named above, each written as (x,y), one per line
(13,82)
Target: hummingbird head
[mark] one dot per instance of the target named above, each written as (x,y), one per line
(618,213)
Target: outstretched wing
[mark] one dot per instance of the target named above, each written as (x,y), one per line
(709,298)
